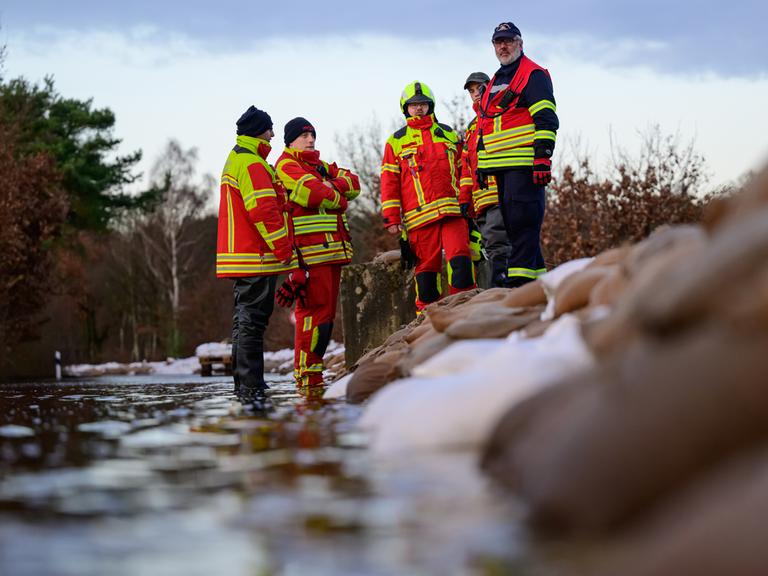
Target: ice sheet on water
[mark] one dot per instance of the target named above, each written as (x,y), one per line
(14,431)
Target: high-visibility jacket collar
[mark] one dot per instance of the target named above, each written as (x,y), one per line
(420,122)
(255,145)
(311,157)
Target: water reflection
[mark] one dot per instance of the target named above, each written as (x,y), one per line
(140,475)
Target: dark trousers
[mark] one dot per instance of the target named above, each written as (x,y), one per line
(522,205)
(254,302)
(495,242)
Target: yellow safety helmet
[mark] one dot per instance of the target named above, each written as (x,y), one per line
(417,92)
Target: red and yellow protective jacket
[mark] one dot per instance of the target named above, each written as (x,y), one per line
(420,174)
(320,228)
(481,199)
(253,234)
(508,132)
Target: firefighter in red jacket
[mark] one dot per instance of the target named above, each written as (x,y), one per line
(517,128)
(253,244)
(420,195)
(318,195)
(485,201)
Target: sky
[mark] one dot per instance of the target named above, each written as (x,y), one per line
(188,70)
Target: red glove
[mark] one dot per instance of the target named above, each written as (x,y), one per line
(343,203)
(295,286)
(542,173)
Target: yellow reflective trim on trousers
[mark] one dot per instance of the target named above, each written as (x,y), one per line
(544,135)
(230,223)
(541,105)
(314,339)
(523,273)
(307,323)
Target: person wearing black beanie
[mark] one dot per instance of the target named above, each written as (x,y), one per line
(295,128)
(253,246)
(318,193)
(253,122)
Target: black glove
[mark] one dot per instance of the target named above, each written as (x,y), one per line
(407,257)
(295,286)
(465,210)
(482,180)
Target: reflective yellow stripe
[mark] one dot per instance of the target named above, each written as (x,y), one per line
(544,135)
(318,223)
(227,179)
(510,143)
(509,133)
(250,199)
(230,223)
(541,105)
(307,323)
(523,273)
(390,168)
(390,204)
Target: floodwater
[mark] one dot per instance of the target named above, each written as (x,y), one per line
(171,475)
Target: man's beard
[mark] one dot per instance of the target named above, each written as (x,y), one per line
(511,57)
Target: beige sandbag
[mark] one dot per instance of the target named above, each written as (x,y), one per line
(662,240)
(609,289)
(368,378)
(716,528)
(573,293)
(497,325)
(530,294)
(641,428)
(610,257)
(419,331)
(490,295)
(423,352)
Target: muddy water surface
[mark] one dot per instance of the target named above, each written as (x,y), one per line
(172,475)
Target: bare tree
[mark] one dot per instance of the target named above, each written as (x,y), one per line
(361,150)
(168,246)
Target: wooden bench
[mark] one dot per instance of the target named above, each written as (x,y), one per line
(223,364)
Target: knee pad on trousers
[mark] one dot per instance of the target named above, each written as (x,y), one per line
(321,337)
(460,272)
(427,287)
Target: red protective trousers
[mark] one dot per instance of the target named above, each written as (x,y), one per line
(314,323)
(449,234)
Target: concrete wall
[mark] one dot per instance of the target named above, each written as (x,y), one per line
(377,299)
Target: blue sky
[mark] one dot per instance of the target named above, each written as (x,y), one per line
(187,70)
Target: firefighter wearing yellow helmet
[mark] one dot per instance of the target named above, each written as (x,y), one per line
(420,196)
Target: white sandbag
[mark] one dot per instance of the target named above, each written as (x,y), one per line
(552,279)
(459,410)
(338,389)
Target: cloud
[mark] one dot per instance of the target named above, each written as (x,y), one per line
(685,37)
(163,85)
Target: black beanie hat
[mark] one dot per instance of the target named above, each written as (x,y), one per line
(296,128)
(253,122)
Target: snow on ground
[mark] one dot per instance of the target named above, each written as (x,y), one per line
(281,359)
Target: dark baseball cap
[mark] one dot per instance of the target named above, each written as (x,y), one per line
(505,30)
(479,77)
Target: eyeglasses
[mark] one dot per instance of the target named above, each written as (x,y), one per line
(499,41)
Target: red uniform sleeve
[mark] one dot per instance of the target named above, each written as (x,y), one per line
(306,189)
